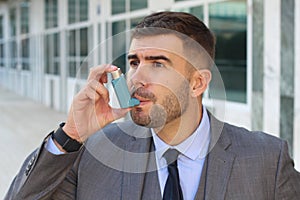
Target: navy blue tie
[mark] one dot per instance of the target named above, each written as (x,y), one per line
(172,189)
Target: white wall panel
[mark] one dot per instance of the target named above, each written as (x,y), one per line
(271,123)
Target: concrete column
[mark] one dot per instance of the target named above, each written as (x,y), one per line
(4,12)
(271,102)
(257,64)
(105,13)
(36,17)
(94,13)
(287,71)
(296,140)
(62,23)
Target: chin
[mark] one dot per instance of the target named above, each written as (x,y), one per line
(139,118)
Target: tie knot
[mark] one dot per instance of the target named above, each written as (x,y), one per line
(171,155)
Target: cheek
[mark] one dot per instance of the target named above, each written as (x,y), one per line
(163,91)
(172,86)
(129,77)
(175,90)
(129,74)
(166,82)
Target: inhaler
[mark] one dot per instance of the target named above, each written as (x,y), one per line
(121,90)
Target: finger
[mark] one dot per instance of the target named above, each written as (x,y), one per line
(97,72)
(94,71)
(103,78)
(92,94)
(100,89)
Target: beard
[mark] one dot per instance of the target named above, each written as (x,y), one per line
(172,106)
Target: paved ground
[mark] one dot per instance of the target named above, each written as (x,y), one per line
(23,124)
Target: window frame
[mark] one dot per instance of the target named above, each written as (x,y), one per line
(77,14)
(48,15)
(243,106)
(78,58)
(50,70)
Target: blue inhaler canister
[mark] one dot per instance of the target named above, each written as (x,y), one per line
(121,89)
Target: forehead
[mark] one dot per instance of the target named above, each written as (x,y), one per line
(159,43)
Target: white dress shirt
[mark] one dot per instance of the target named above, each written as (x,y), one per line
(190,161)
(52,148)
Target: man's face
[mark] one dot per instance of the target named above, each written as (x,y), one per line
(159,79)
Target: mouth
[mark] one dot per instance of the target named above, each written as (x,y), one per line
(146,97)
(143,101)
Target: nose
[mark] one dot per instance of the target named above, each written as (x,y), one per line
(139,77)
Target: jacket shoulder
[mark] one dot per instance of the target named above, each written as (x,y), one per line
(244,135)
(244,140)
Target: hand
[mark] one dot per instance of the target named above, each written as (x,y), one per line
(90,110)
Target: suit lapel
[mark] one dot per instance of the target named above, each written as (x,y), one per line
(151,188)
(218,172)
(137,161)
(201,189)
(218,163)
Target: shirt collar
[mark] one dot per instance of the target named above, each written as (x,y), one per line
(194,147)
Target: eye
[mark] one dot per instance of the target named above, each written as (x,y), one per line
(134,63)
(157,64)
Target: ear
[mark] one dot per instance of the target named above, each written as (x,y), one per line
(200,81)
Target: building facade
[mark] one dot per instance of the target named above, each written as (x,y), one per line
(47,46)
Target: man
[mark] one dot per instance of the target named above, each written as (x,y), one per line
(168,74)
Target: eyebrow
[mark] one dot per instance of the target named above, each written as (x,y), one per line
(160,57)
(132,56)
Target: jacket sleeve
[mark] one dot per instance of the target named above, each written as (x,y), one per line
(287,178)
(43,176)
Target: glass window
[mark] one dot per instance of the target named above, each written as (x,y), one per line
(25,54)
(25,17)
(118,6)
(72,69)
(72,43)
(197,11)
(51,13)
(52,54)
(228,20)
(77,11)
(2,55)
(99,45)
(138,4)
(72,53)
(119,45)
(12,22)
(1,27)
(135,21)
(83,42)
(83,10)
(84,51)
(78,48)
(72,11)
(13,54)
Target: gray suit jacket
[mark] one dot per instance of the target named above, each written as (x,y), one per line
(118,163)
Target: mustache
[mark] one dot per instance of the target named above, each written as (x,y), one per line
(141,92)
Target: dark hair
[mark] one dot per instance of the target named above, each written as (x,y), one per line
(181,22)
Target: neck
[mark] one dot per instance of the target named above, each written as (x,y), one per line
(179,129)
